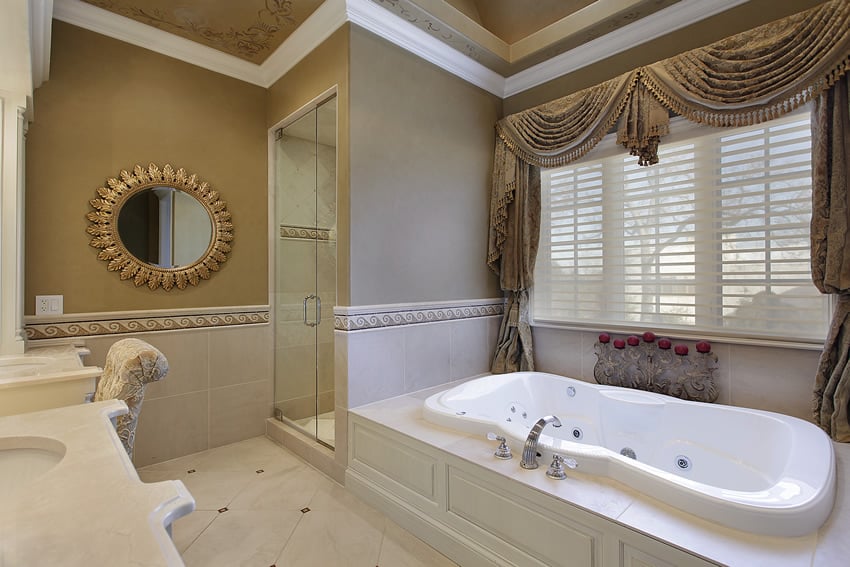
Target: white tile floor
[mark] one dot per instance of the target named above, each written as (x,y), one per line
(257,504)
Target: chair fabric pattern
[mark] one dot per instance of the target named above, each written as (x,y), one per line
(131,364)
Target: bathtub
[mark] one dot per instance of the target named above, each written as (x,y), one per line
(747,469)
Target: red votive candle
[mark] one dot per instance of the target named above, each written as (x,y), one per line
(604,338)
(664,344)
(619,343)
(649,337)
(681,350)
(703,346)
(633,340)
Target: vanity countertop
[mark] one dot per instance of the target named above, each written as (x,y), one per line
(90,508)
(44,365)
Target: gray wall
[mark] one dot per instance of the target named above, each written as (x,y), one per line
(421,156)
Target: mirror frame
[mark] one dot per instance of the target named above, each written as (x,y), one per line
(104,228)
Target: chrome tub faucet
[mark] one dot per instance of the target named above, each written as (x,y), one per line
(529,451)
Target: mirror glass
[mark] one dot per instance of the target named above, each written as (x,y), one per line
(160,227)
(165,227)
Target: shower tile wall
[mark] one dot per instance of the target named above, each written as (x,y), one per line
(295,348)
(218,389)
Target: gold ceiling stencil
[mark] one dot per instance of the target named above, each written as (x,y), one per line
(248,29)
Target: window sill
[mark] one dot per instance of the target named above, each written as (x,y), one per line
(681,334)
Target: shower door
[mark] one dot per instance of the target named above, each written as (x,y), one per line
(305,271)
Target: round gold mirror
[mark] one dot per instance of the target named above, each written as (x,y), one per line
(160,227)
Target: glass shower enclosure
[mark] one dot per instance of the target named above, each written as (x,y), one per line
(305,270)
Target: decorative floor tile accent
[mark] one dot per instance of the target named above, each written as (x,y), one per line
(264,525)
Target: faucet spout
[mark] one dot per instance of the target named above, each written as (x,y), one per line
(529,451)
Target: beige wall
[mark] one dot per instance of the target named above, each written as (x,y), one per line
(108,106)
(325,67)
(741,18)
(421,156)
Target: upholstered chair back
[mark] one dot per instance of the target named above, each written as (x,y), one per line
(131,364)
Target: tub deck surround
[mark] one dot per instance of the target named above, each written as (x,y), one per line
(90,508)
(45,377)
(626,514)
(747,469)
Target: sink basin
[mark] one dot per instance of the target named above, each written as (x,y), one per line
(25,459)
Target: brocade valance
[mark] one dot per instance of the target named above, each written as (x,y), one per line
(748,78)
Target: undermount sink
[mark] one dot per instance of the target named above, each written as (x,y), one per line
(25,459)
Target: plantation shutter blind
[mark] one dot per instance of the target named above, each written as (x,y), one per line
(715,238)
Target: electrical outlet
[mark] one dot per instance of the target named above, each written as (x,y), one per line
(48,305)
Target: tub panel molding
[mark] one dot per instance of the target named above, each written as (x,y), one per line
(483,518)
(120,323)
(497,512)
(365,317)
(398,461)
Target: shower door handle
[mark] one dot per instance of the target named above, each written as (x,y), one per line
(318,309)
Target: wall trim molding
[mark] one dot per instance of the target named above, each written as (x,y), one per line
(364,317)
(80,325)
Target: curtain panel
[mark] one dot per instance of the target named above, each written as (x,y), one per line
(748,78)
(830,236)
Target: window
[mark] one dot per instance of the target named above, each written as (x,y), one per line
(713,239)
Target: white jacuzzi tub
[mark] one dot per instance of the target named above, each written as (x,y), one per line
(748,469)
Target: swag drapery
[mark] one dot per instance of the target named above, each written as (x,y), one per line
(745,79)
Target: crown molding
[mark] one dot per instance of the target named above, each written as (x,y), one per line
(323,22)
(369,15)
(41,26)
(136,33)
(662,22)
(385,24)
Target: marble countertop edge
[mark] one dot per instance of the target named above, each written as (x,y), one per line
(91,508)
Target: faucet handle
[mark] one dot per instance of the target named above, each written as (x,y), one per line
(503,451)
(556,469)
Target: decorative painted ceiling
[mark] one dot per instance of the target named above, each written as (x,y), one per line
(248,29)
(505,36)
(511,21)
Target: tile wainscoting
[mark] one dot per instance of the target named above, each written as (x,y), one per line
(389,350)
(382,351)
(219,385)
